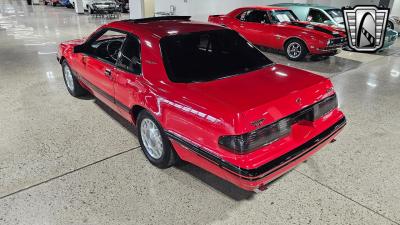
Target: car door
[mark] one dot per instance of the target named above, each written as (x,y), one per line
(255,26)
(128,74)
(99,60)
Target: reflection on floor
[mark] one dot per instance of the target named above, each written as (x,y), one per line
(334,65)
(73,161)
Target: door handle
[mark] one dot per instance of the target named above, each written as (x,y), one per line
(107,72)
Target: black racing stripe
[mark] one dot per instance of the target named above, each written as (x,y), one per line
(317,28)
(104,94)
(270,167)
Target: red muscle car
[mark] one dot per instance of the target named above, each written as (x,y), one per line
(279,28)
(202,93)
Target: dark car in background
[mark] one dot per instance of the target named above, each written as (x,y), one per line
(123,5)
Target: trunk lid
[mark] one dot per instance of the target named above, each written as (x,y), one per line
(265,95)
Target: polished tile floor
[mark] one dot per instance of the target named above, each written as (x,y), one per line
(73,161)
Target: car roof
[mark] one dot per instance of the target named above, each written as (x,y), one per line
(323,7)
(259,7)
(161,27)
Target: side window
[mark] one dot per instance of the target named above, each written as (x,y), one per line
(257,16)
(130,56)
(316,16)
(243,15)
(107,45)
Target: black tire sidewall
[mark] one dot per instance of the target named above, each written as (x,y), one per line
(390,25)
(168,157)
(303,53)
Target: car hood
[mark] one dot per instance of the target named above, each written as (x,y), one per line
(270,93)
(322,29)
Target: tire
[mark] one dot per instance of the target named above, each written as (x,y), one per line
(295,50)
(45,2)
(54,4)
(90,10)
(390,25)
(166,156)
(72,84)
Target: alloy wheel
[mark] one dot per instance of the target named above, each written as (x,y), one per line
(151,138)
(69,77)
(294,50)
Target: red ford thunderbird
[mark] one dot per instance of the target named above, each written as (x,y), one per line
(279,28)
(203,94)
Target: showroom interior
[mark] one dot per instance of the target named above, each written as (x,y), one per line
(84,160)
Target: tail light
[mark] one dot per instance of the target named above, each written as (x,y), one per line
(251,141)
(322,108)
(245,143)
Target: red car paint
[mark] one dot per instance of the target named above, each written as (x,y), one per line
(275,35)
(195,115)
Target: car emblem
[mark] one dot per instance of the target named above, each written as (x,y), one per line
(366,27)
(258,122)
(299,101)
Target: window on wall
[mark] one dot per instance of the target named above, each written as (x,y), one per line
(317,16)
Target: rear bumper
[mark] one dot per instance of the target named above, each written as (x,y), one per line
(257,178)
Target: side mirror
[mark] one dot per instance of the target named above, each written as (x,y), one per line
(80,48)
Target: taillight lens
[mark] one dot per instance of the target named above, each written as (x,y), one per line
(324,107)
(251,141)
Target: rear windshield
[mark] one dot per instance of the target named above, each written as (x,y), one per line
(210,55)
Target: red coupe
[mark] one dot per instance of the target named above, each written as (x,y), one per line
(202,93)
(279,28)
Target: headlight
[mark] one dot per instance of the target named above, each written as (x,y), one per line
(245,143)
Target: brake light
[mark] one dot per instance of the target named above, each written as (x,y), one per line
(245,143)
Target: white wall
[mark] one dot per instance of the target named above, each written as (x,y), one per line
(201,9)
(136,9)
(149,8)
(396,8)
